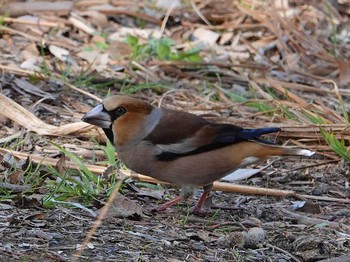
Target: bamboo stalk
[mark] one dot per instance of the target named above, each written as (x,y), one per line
(35,23)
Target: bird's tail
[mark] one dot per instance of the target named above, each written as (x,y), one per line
(262,150)
(248,152)
(269,148)
(294,151)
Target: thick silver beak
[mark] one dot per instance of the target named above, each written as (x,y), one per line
(98,116)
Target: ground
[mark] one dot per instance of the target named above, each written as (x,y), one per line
(255,66)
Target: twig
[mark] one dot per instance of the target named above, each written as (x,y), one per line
(340,99)
(23,117)
(82,91)
(316,90)
(198,12)
(283,251)
(28,22)
(77,205)
(144,69)
(227,26)
(223,65)
(130,13)
(219,186)
(344,258)
(165,20)
(302,219)
(15,188)
(23,72)
(17,71)
(97,222)
(38,40)
(311,165)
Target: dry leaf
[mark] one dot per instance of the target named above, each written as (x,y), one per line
(122,32)
(59,52)
(96,18)
(240,174)
(344,72)
(61,165)
(16,176)
(292,62)
(32,89)
(23,117)
(165,4)
(205,36)
(81,23)
(124,207)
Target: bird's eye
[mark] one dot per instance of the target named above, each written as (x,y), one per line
(120,110)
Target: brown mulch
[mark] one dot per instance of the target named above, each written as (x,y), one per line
(290,64)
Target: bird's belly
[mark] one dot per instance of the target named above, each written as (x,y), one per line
(197,170)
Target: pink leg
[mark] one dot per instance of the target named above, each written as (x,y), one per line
(197,209)
(169,203)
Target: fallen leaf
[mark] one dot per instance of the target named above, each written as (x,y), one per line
(344,72)
(81,23)
(124,207)
(206,36)
(59,52)
(241,174)
(61,165)
(32,89)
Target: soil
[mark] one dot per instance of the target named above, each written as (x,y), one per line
(258,54)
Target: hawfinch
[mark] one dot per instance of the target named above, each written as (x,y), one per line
(179,147)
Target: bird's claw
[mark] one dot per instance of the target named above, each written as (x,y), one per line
(196,210)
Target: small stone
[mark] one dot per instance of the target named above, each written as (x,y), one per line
(254,237)
(234,239)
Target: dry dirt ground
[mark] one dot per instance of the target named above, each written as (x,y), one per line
(265,66)
(276,231)
(242,227)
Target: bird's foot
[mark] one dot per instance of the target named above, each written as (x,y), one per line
(199,211)
(169,203)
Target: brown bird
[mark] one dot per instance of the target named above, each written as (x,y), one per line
(180,147)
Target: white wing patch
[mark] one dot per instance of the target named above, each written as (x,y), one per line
(182,147)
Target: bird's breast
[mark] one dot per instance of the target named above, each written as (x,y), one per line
(197,170)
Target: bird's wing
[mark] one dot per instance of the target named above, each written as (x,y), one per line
(179,134)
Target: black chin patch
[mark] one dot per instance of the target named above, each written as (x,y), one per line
(109,134)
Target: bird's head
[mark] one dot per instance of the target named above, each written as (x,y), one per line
(124,119)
